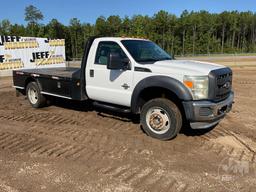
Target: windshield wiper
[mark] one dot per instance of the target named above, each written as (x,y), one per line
(148,60)
(166,58)
(154,60)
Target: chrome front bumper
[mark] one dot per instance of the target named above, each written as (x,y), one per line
(205,114)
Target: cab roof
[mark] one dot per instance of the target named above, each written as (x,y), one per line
(120,38)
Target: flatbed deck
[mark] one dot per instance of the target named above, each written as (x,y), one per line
(62,82)
(66,72)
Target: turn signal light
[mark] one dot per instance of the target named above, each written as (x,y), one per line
(189,84)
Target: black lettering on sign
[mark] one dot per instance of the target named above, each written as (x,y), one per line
(4,39)
(1,58)
(47,41)
(39,55)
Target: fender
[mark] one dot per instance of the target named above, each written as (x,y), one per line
(168,83)
(30,79)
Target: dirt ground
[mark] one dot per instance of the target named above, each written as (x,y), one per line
(72,147)
(228,60)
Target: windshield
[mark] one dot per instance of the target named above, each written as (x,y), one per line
(145,51)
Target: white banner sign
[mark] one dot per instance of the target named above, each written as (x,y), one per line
(30,52)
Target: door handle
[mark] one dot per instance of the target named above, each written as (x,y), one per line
(125,86)
(91,73)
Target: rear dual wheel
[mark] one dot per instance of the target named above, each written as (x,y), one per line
(161,119)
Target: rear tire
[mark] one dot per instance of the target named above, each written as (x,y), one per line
(161,119)
(35,98)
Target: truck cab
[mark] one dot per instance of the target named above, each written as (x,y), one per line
(137,76)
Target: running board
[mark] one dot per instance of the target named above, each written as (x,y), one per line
(110,107)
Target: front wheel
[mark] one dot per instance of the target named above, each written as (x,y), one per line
(35,98)
(161,119)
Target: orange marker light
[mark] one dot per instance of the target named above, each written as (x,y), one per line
(189,84)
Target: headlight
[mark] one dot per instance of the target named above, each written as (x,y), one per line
(198,86)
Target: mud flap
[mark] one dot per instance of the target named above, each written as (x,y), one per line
(17,93)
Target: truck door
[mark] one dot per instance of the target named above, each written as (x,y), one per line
(111,86)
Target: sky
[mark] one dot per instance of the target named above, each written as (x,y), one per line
(87,11)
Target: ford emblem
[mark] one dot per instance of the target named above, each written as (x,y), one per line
(227,85)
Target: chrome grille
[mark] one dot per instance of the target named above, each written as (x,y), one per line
(223,85)
(220,84)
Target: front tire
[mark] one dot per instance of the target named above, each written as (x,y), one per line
(35,98)
(161,119)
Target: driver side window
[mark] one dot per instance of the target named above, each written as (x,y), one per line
(104,49)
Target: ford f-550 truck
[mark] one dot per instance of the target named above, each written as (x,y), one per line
(137,76)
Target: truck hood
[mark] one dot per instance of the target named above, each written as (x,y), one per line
(183,67)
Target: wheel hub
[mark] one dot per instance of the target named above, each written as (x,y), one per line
(158,120)
(33,95)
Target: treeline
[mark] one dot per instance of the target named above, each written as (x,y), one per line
(190,33)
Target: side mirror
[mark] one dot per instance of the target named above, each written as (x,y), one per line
(116,62)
